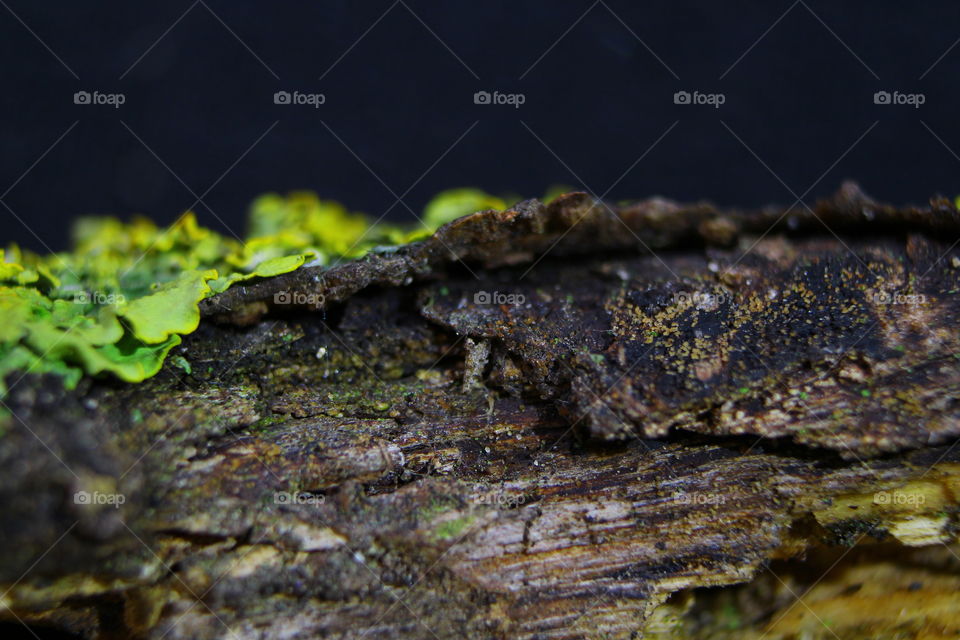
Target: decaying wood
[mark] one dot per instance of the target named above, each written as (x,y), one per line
(481,436)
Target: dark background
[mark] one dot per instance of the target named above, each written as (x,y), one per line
(199,121)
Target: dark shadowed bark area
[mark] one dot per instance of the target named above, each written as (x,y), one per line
(557,421)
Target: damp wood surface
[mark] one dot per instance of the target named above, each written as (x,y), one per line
(558,421)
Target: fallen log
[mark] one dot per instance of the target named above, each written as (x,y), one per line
(558,421)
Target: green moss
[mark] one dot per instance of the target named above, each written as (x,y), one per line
(451,529)
(437,507)
(730,618)
(264,423)
(123,297)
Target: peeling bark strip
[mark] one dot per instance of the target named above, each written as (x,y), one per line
(576,225)
(434,455)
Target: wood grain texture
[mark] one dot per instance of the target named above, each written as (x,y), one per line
(409,461)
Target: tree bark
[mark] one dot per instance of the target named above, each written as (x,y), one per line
(634,418)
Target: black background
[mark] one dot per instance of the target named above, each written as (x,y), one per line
(199,121)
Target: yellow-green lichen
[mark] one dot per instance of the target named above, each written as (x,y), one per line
(123,297)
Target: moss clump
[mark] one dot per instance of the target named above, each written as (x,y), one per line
(451,529)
